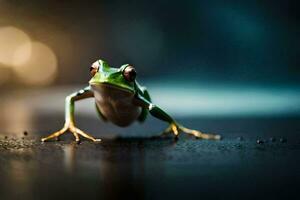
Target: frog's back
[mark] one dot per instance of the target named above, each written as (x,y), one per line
(116,105)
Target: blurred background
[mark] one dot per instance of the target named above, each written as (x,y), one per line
(227,67)
(197,58)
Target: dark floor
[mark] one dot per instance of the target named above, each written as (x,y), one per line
(138,166)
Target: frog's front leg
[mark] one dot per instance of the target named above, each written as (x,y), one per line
(174,127)
(69,117)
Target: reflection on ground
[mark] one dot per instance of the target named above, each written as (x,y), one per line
(133,163)
(147,167)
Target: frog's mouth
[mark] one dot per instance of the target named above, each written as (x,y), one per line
(111,87)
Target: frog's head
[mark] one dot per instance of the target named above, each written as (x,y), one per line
(122,78)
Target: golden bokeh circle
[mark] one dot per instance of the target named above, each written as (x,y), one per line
(40,68)
(11,39)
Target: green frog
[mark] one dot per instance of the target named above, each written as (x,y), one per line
(119,99)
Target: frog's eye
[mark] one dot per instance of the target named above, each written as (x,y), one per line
(129,73)
(94,68)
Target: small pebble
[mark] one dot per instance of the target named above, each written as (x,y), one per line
(25,133)
(282,140)
(272,139)
(259,141)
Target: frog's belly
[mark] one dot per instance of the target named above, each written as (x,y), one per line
(115,104)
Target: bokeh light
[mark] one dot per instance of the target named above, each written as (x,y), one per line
(11,39)
(5,75)
(41,67)
(22,54)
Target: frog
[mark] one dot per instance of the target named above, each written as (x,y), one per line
(121,100)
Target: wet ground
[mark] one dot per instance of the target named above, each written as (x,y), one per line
(257,159)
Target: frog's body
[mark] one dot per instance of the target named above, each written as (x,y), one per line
(116,105)
(120,100)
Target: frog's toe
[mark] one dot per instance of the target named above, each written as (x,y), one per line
(166,132)
(85,135)
(199,134)
(55,135)
(77,139)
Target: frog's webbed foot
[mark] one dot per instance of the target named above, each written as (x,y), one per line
(176,129)
(74,130)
